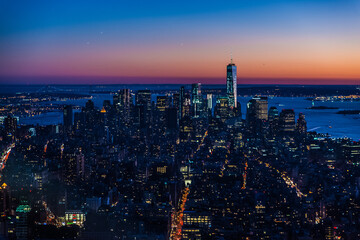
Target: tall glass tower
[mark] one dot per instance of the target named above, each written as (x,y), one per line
(196,98)
(231,84)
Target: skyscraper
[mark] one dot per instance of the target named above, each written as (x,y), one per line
(122,99)
(196,98)
(257,108)
(91,117)
(273,114)
(10,125)
(287,121)
(301,125)
(186,129)
(222,108)
(184,103)
(231,84)
(143,97)
(68,117)
(171,117)
(176,100)
(143,108)
(181,102)
(5,199)
(22,226)
(273,119)
(122,102)
(209,98)
(73,166)
(162,102)
(257,113)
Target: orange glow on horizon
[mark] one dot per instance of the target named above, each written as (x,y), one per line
(266,59)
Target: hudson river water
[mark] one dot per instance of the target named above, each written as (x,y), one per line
(323,121)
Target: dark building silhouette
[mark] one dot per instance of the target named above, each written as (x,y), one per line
(301,125)
(73,166)
(351,153)
(222,109)
(186,129)
(287,121)
(143,108)
(256,113)
(182,102)
(22,222)
(176,100)
(5,199)
(79,121)
(10,123)
(171,118)
(122,102)
(143,97)
(273,119)
(162,102)
(68,117)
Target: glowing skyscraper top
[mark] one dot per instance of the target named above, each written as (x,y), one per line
(231,84)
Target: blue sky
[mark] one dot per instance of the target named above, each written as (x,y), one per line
(139,38)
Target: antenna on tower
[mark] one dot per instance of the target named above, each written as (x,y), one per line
(231,58)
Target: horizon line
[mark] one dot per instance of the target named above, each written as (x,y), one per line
(113,80)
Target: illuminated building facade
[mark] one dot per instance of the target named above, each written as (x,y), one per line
(74,217)
(196,99)
(287,121)
(231,84)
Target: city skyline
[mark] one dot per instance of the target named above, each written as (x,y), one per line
(126,162)
(169,120)
(283,42)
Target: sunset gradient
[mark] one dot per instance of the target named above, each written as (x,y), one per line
(289,42)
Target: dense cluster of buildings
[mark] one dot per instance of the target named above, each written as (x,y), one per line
(182,165)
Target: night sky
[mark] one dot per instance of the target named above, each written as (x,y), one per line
(110,41)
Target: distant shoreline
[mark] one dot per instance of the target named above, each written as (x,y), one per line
(321,107)
(349,112)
